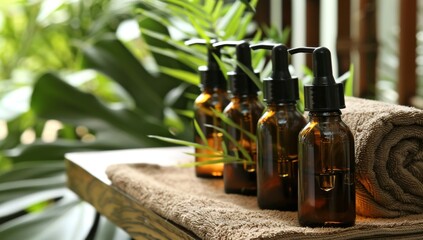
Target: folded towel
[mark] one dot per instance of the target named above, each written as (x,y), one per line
(389,157)
(201,206)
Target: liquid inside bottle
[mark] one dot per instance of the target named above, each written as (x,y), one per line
(203,115)
(241,177)
(277,167)
(326,194)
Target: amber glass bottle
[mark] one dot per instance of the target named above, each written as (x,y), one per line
(209,99)
(277,134)
(213,96)
(277,168)
(326,177)
(244,109)
(326,195)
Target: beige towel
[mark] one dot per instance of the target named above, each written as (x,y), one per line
(201,206)
(389,157)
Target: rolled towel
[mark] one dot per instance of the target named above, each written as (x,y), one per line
(389,157)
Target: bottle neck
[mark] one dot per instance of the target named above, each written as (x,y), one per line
(334,115)
(206,89)
(289,106)
(241,98)
(220,91)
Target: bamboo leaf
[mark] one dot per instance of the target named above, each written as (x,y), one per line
(188,59)
(222,66)
(181,142)
(184,112)
(250,6)
(234,141)
(209,5)
(231,123)
(251,75)
(349,86)
(190,8)
(200,132)
(243,26)
(185,76)
(217,10)
(199,30)
(285,35)
(225,159)
(229,23)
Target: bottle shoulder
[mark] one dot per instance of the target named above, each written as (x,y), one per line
(202,98)
(329,131)
(216,100)
(281,116)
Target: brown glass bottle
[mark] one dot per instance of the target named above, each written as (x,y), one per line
(326,194)
(209,99)
(244,110)
(277,162)
(213,96)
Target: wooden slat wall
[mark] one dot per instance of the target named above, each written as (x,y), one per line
(407,82)
(365,45)
(344,42)
(313,27)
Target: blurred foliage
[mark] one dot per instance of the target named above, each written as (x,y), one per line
(81,75)
(96,75)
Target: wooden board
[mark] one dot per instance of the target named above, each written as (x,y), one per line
(87,178)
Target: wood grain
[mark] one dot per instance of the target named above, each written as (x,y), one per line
(123,210)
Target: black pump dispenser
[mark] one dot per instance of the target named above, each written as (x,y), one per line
(324,94)
(240,82)
(280,87)
(211,76)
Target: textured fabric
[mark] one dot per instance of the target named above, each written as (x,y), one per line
(201,206)
(389,156)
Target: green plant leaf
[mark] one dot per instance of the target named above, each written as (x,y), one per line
(187,58)
(222,159)
(20,203)
(200,132)
(16,189)
(182,142)
(182,75)
(222,66)
(68,219)
(229,23)
(231,123)
(32,170)
(123,124)
(251,75)
(349,86)
(217,10)
(234,141)
(127,71)
(202,33)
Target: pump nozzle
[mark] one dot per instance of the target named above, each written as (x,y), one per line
(280,86)
(241,83)
(243,52)
(324,94)
(293,51)
(279,59)
(211,61)
(211,75)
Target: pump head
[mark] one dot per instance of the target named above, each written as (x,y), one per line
(240,82)
(211,75)
(280,86)
(324,94)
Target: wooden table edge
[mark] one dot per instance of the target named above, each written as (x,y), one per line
(120,208)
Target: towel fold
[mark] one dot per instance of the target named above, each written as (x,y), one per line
(389,157)
(201,206)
